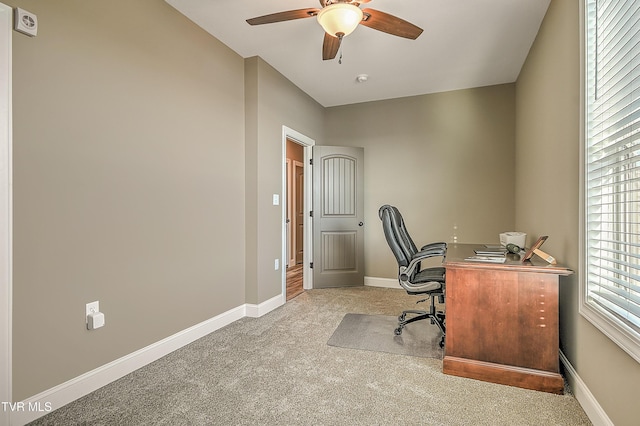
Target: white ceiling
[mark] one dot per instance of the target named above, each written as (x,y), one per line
(465,43)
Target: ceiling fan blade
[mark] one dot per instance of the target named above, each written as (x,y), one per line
(330,46)
(284,16)
(390,24)
(325,3)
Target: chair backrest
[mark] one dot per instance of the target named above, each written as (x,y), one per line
(401,244)
(404,233)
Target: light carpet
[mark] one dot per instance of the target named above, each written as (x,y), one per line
(279,370)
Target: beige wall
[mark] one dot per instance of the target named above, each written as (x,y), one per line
(547,199)
(274,102)
(146,154)
(139,147)
(444,160)
(128,183)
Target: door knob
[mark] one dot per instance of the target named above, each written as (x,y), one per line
(360,224)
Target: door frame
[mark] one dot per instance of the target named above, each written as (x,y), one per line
(307,146)
(6,220)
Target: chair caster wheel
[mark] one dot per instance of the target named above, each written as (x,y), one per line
(401,317)
(442,343)
(397,331)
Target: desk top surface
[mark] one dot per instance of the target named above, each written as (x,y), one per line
(458,252)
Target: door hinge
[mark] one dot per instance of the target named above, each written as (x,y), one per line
(311,265)
(311,161)
(310,213)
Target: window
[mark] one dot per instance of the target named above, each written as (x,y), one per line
(610,296)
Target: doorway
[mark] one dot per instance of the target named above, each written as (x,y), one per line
(295,219)
(297,235)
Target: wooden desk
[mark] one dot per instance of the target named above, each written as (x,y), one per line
(502,320)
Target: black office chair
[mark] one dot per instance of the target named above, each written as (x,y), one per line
(414,279)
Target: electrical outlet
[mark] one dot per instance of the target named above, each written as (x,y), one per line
(276,264)
(92,308)
(94,318)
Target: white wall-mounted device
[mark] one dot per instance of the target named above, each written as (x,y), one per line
(25,22)
(95,318)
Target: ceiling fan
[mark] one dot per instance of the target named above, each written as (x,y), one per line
(339,18)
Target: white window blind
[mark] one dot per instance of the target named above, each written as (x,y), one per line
(612,169)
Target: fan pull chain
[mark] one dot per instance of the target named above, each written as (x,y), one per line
(340,58)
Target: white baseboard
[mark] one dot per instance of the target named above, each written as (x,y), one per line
(58,396)
(584,396)
(381,282)
(255,311)
(39,405)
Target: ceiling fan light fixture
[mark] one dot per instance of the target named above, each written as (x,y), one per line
(340,18)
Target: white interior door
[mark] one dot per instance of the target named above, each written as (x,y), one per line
(338,216)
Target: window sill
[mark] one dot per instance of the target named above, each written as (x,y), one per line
(622,337)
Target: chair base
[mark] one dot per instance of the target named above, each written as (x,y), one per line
(436,317)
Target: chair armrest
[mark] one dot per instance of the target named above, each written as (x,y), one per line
(414,264)
(439,245)
(426,253)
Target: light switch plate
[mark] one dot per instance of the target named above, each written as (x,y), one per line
(276,199)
